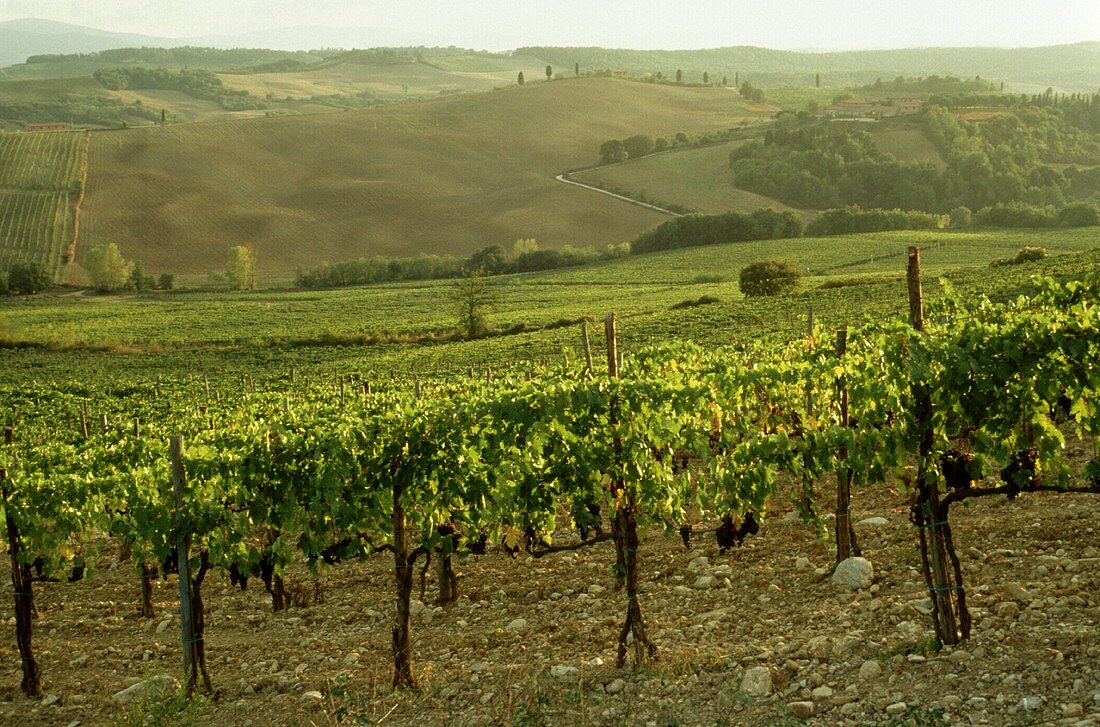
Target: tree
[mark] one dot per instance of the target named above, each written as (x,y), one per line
(520,80)
(960,217)
(725,81)
(138,280)
(817,81)
(576,69)
(769,277)
(242,268)
(106,268)
(612,152)
(524,246)
(549,72)
(679,76)
(491,260)
(473,298)
(28,277)
(638,146)
(166,281)
(706,78)
(1079,214)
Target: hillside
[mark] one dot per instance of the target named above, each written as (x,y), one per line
(1070,67)
(446,176)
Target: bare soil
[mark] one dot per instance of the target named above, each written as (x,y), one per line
(1033,578)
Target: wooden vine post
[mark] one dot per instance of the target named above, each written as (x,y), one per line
(846,544)
(191,616)
(403,577)
(928,514)
(21,585)
(587,348)
(625,527)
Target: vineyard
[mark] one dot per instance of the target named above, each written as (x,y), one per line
(973,400)
(40,180)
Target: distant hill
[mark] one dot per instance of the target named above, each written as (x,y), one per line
(20,39)
(445,176)
(1069,67)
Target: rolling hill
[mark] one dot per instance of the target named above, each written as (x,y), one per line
(444,176)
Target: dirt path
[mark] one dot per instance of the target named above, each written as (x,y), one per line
(564,180)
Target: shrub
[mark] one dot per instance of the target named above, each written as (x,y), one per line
(1079,214)
(1025,255)
(961,217)
(28,277)
(690,303)
(848,220)
(696,230)
(769,277)
(1014,215)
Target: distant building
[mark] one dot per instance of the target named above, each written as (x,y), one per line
(618,73)
(853,108)
(50,126)
(906,106)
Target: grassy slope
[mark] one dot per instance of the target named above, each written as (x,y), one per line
(388,81)
(269,332)
(446,176)
(699,179)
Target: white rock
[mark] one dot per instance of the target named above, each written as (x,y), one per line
(855,573)
(802,710)
(704,582)
(562,671)
(416,608)
(870,669)
(698,564)
(616,686)
(802,563)
(1030,703)
(352,658)
(152,688)
(896,708)
(313,697)
(50,700)
(822,692)
(757,681)
(163,626)
(873,522)
(518,625)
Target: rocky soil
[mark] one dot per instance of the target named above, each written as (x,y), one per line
(759,636)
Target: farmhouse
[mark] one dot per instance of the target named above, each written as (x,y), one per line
(853,108)
(906,106)
(618,73)
(49,126)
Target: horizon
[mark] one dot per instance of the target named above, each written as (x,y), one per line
(831,26)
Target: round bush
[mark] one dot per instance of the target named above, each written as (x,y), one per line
(769,277)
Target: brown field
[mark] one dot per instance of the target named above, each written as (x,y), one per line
(445,176)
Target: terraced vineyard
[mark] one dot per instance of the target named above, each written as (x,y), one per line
(40,180)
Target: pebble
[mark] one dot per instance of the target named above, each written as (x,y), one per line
(518,625)
(562,671)
(821,693)
(702,583)
(802,710)
(873,522)
(870,669)
(896,708)
(802,563)
(616,686)
(50,700)
(313,696)
(158,685)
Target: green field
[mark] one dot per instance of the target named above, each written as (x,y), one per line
(698,179)
(446,176)
(405,326)
(39,179)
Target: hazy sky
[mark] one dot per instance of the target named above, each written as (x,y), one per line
(498,24)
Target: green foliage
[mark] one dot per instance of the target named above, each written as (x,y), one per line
(1025,255)
(612,151)
(638,145)
(166,281)
(960,217)
(241,272)
(26,278)
(1080,214)
(751,93)
(1014,214)
(769,277)
(948,85)
(107,270)
(696,230)
(853,219)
